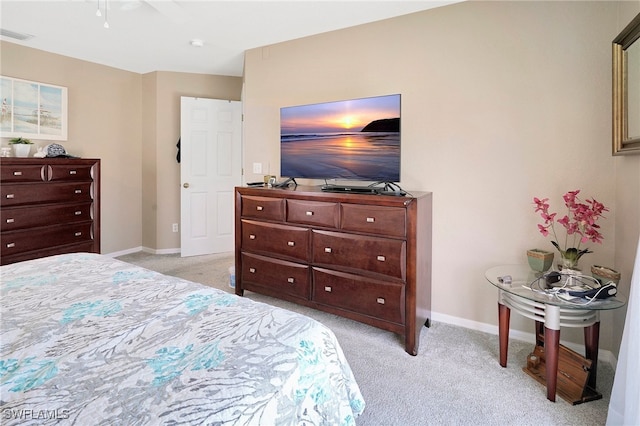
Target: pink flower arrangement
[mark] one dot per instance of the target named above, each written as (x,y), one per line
(579,223)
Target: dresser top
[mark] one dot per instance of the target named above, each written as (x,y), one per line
(304,192)
(46,160)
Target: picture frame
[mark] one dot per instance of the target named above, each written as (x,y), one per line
(626,90)
(31,109)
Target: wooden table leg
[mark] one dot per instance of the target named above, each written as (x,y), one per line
(551,348)
(551,352)
(591,342)
(504,314)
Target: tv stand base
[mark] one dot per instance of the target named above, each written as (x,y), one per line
(373,190)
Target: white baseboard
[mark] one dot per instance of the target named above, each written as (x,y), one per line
(603,355)
(144,249)
(123,252)
(161,251)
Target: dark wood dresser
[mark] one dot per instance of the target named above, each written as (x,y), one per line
(364,257)
(49,206)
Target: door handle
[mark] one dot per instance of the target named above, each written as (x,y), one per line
(185,185)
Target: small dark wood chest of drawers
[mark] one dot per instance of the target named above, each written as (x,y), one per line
(48,206)
(364,257)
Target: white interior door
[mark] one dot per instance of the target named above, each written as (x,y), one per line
(210,168)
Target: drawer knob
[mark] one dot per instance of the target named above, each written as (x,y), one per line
(259,208)
(381,258)
(290,280)
(327,289)
(72,172)
(78,234)
(11,245)
(327,249)
(78,212)
(11,220)
(380,300)
(252,237)
(17,173)
(252,270)
(371,219)
(78,191)
(11,196)
(291,243)
(309,213)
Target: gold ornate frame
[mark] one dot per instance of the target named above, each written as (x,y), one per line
(623,143)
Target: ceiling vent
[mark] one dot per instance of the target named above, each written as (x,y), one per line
(14,35)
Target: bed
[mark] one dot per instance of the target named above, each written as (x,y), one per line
(87,339)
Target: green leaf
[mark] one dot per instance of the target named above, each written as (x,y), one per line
(572,254)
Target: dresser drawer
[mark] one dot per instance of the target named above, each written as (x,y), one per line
(13,218)
(388,221)
(22,173)
(277,275)
(17,194)
(372,254)
(40,238)
(58,172)
(270,238)
(87,246)
(313,213)
(263,208)
(374,298)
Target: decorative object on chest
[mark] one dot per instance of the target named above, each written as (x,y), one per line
(21,146)
(49,206)
(364,257)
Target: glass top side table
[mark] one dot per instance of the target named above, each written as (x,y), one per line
(524,294)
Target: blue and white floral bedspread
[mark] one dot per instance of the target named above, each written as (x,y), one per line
(86,339)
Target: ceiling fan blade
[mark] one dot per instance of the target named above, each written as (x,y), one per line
(170,9)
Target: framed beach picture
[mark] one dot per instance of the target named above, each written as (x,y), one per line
(33,110)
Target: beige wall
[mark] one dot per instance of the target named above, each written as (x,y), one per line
(132,123)
(149,161)
(501,102)
(105,121)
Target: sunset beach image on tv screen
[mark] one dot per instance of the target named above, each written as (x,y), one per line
(357,139)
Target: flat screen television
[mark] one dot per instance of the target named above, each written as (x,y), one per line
(357,139)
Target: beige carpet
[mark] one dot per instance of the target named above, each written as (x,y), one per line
(454,380)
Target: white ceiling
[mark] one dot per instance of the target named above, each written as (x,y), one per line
(146,36)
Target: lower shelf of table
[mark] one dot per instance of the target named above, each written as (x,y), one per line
(573,374)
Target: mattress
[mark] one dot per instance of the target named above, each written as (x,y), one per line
(87,339)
